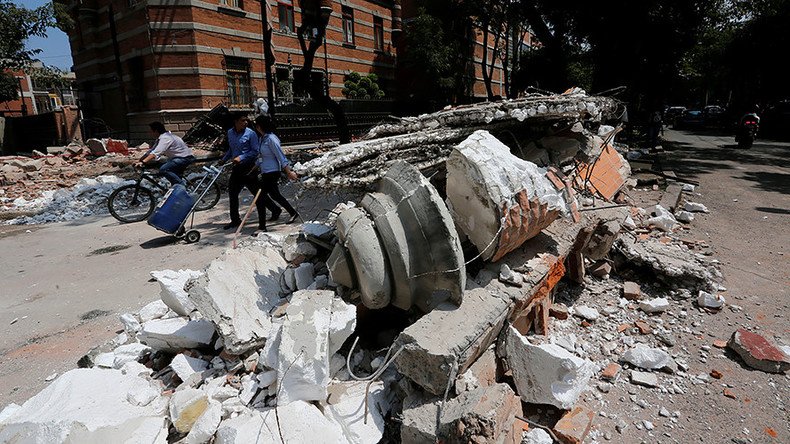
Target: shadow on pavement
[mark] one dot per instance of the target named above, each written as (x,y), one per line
(776,182)
(773,210)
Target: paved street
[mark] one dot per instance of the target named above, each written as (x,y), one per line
(748,228)
(65,284)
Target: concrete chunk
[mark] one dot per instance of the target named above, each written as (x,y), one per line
(237,292)
(647,358)
(185,366)
(298,422)
(344,409)
(153,310)
(547,373)
(186,406)
(204,428)
(176,333)
(758,353)
(128,353)
(483,415)
(173,293)
(435,343)
(646,379)
(314,324)
(88,405)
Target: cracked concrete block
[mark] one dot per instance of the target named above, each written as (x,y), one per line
(186,406)
(176,333)
(128,353)
(87,406)
(172,292)
(419,236)
(185,366)
(153,310)
(435,343)
(206,425)
(315,324)
(345,399)
(371,266)
(485,414)
(237,292)
(547,373)
(482,373)
(293,423)
(497,199)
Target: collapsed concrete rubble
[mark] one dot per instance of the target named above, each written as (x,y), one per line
(434,310)
(426,141)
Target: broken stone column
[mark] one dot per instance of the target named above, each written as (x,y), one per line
(237,292)
(90,405)
(405,249)
(498,200)
(546,373)
(450,336)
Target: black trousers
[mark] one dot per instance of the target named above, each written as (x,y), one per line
(244,176)
(269,183)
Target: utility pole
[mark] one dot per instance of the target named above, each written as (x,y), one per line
(268,57)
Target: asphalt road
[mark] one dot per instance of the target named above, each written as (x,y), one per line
(748,229)
(63,285)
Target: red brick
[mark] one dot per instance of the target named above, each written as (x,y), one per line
(574,426)
(631,291)
(643,327)
(758,353)
(715,374)
(611,371)
(718,343)
(728,393)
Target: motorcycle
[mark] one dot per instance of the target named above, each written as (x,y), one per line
(747,131)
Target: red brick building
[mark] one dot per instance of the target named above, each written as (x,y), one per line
(36,98)
(180,58)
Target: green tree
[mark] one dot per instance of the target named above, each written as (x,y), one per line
(438,51)
(17,24)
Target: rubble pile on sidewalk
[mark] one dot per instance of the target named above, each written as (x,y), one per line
(552,124)
(66,183)
(463,312)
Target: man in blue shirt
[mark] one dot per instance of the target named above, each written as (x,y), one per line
(242,151)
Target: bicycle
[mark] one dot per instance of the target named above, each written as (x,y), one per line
(135,202)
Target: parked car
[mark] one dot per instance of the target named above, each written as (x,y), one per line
(714,115)
(692,118)
(672,113)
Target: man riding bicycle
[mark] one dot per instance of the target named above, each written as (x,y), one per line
(179,155)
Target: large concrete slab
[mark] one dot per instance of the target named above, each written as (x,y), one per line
(237,292)
(450,336)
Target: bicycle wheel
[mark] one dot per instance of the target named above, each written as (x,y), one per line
(131,203)
(210,199)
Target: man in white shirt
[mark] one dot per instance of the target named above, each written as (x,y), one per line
(179,155)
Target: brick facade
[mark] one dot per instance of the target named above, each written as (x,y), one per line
(180,58)
(177,57)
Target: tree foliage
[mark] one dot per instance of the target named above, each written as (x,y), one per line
(438,53)
(17,25)
(357,86)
